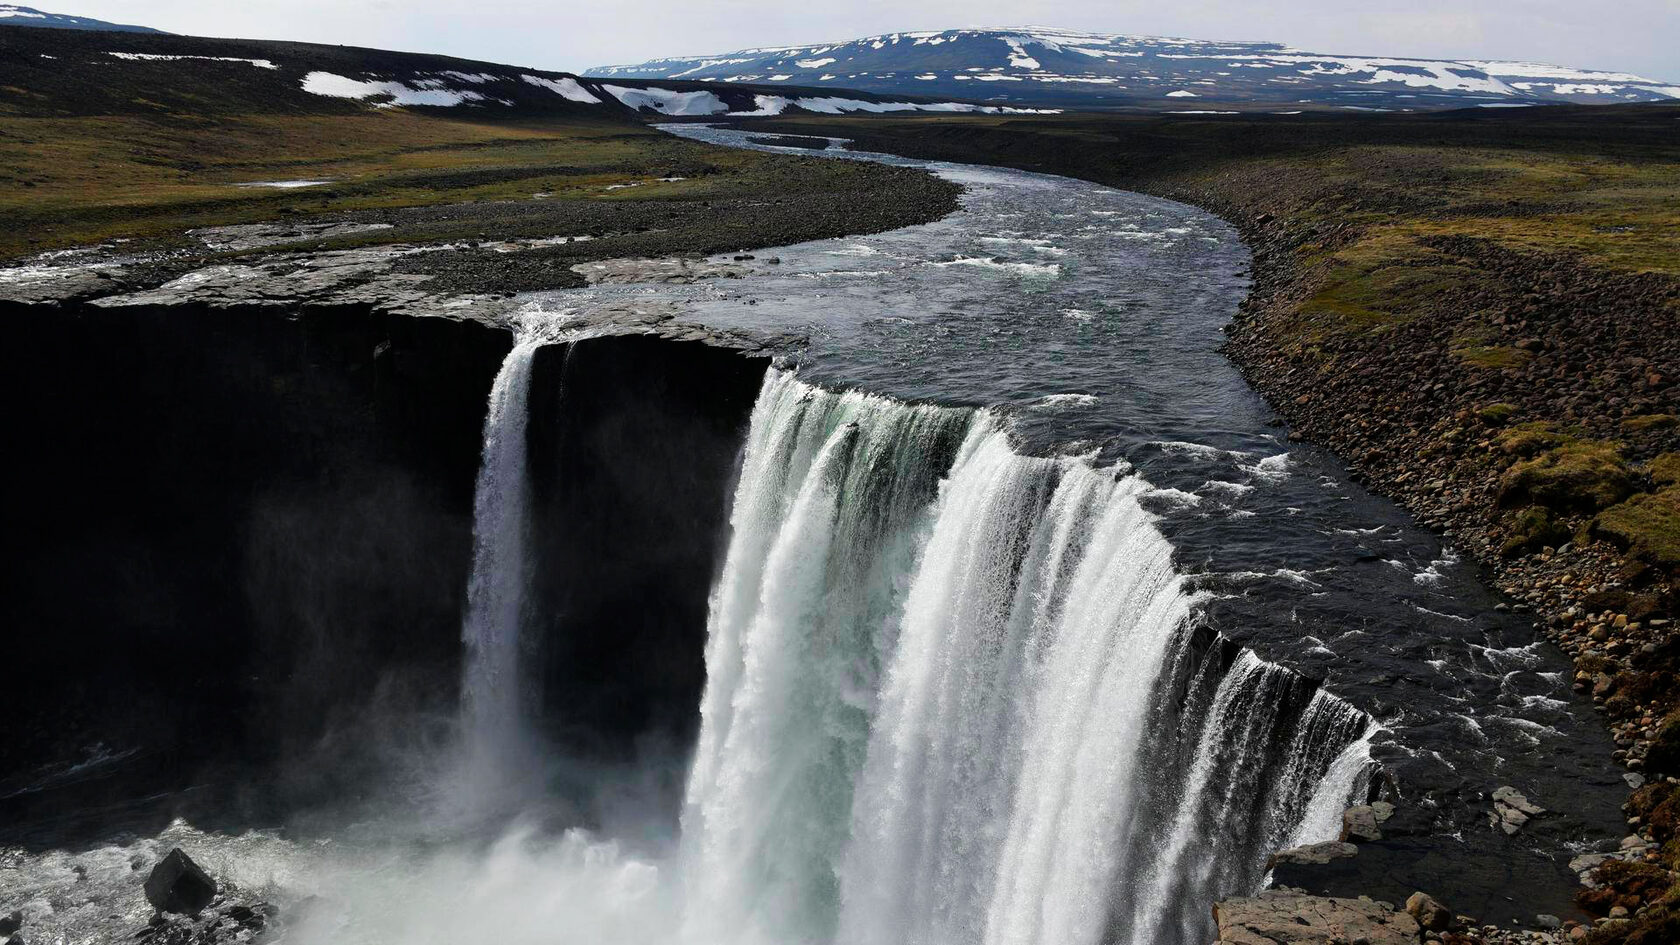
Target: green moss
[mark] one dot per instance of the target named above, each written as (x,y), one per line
(1529,439)
(1481,347)
(1574,476)
(1656,926)
(1493,357)
(1497,415)
(1379,283)
(1650,421)
(1532,529)
(1646,525)
(1665,469)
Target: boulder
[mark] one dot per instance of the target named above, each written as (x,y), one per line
(1359,824)
(177,884)
(1511,810)
(1281,918)
(1511,797)
(1312,854)
(1429,913)
(11,923)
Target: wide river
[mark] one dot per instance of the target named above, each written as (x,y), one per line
(1093,318)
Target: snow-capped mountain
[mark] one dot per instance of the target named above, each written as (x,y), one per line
(86,72)
(1069,68)
(13,15)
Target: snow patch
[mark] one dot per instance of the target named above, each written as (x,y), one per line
(668,102)
(566,87)
(159,57)
(337,86)
(283,184)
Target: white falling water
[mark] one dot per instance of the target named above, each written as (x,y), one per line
(494,730)
(833,489)
(1347,778)
(942,717)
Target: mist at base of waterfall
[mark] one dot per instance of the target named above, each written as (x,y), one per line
(418,862)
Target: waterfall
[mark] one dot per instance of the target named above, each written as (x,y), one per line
(1346,779)
(956,694)
(834,489)
(495,738)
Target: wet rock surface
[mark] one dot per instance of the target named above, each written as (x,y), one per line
(178,885)
(1286,918)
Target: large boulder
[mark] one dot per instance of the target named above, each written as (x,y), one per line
(1359,824)
(1429,913)
(1280,918)
(177,884)
(1312,854)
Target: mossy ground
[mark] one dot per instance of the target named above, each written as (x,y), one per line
(81,180)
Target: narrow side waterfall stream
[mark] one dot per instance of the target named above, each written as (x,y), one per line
(1002,615)
(491,699)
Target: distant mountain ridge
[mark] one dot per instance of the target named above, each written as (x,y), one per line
(13,15)
(1069,68)
(52,72)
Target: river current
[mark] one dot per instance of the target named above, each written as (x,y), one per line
(1032,626)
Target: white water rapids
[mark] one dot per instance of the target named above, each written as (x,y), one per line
(954,694)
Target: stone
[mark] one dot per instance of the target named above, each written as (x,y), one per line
(11,923)
(1359,824)
(177,884)
(1279,918)
(1511,797)
(1511,810)
(1548,921)
(1603,684)
(1429,913)
(1312,854)
(1383,809)
(1587,862)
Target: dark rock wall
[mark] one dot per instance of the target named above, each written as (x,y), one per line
(635,444)
(238,543)
(224,530)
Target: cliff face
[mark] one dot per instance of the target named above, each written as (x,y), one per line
(228,527)
(242,536)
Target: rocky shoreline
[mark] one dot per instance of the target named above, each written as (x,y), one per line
(1519,402)
(1416,427)
(1523,403)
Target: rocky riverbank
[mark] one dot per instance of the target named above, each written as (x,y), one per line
(1481,316)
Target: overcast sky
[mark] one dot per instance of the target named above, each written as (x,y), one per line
(1640,36)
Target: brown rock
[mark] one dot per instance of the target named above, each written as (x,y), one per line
(1280,918)
(1429,913)
(1313,854)
(1359,825)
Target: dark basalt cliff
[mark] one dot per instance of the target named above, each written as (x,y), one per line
(239,539)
